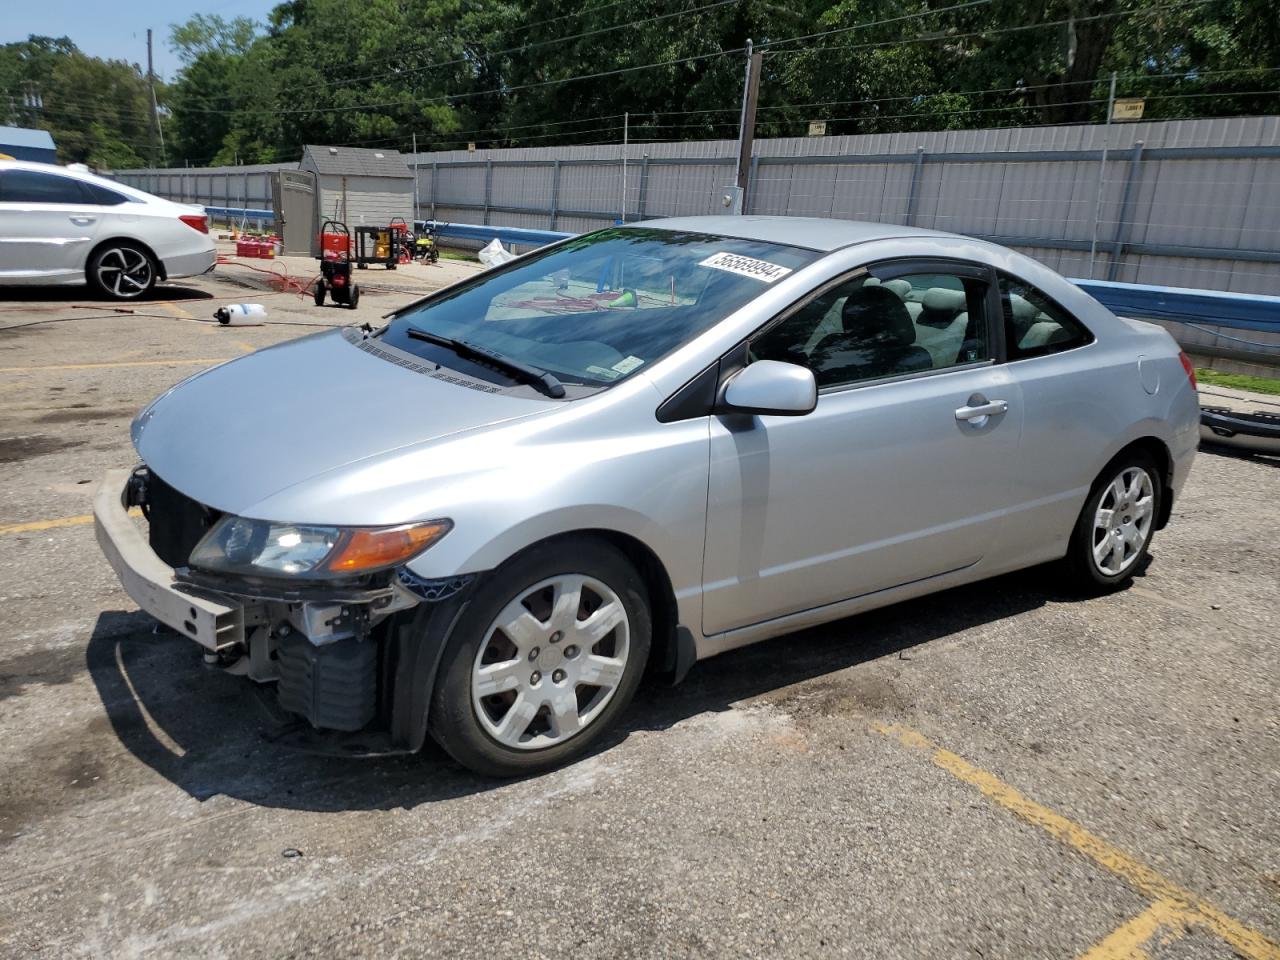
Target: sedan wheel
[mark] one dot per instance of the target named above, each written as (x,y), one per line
(122,272)
(1115,527)
(547,653)
(550,662)
(1123,520)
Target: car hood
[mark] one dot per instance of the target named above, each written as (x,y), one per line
(236,434)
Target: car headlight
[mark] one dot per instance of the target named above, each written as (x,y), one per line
(264,548)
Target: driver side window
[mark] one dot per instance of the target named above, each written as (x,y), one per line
(864,329)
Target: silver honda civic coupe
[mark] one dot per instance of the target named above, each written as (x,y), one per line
(630,451)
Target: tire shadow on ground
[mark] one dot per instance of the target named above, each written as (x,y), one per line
(201,729)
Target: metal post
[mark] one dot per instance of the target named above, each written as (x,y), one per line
(747,119)
(488,188)
(1102,171)
(643,200)
(626,131)
(1117,243)
(751,184)
(913,195)
(435,187)
(555,194)
(415,178)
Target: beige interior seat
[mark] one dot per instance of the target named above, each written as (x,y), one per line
(941,324)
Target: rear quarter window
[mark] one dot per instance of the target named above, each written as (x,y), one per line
(1034,324)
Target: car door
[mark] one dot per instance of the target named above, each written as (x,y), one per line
(48,223)
(902,470)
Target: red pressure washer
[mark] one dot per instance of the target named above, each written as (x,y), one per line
(335,266)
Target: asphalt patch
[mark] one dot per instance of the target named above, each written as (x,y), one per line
(82,413)
(18,449)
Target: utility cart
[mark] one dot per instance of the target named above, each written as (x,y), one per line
(377,245)
(335,266)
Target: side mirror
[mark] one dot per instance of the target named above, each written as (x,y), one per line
(770,387)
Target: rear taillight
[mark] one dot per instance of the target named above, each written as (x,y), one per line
(196,221)
(1191,371)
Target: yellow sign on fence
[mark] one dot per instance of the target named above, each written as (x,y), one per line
(1129,108)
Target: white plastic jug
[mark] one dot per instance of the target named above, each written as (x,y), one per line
(240,314)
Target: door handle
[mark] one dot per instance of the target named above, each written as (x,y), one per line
(83,221)
(978,413)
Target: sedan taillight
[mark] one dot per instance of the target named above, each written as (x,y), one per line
(1191,371)
(196,221)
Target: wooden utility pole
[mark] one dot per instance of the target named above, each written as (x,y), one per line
(155,108)
(747,122)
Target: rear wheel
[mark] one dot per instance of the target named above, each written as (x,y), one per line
(1113,534)
(318,293)
(121,271)
(549,652)
(353,297)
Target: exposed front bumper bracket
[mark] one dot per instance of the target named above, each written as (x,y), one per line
(150,581)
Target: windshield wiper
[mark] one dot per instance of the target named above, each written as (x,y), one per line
(519,370)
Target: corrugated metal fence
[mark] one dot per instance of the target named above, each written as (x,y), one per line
(1190,203)
(237,187)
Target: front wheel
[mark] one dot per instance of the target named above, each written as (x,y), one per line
(1113,534)
(548,654)
(121,271)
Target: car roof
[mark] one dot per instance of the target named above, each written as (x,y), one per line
(814,233)
(88,177)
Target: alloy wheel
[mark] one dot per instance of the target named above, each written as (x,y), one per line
(550,662)
(125,272)
(1122,523)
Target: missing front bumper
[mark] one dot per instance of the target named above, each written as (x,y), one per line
(146,578)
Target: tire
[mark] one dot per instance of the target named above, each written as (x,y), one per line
(1107,548)
(121,271)
(543,711)
(353,298)
(318,293)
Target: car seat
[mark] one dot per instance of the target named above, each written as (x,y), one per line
(878,340)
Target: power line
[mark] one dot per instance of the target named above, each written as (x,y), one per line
(400,74)
(621,70)
(994,32)
(727,52)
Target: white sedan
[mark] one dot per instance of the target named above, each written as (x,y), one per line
(64,226)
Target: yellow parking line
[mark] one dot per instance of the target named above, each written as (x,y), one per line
(1129,940)
(206,361)
(175,310)
(1245,940)
(37,525)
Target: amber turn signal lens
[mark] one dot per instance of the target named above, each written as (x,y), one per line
(375,549)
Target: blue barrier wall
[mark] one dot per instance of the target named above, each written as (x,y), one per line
(1237,311)
(240,213)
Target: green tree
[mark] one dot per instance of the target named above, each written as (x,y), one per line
(98,111)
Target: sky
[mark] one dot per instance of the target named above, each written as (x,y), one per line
(119,30)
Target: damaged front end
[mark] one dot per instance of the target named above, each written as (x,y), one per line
(330,617)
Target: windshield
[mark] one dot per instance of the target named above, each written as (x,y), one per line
(597,308)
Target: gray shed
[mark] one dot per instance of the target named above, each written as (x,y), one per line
(359,186)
